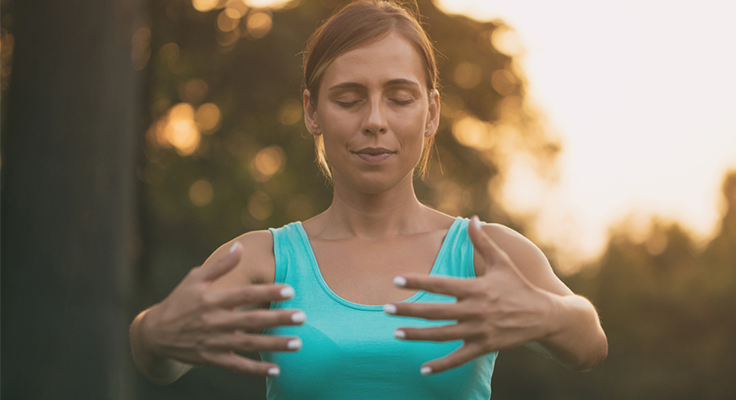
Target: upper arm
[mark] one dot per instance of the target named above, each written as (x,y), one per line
(257,263)
(527,257)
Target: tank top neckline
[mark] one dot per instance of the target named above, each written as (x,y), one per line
(371,307)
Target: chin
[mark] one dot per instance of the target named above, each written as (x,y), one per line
(375,182)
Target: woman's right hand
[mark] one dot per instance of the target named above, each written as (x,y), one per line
(197,324)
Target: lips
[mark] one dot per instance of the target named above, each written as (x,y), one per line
(374,155)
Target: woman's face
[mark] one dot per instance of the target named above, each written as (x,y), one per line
(373,110)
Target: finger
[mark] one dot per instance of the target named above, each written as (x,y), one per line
(223,265)
(251,294)
(431,311)
(254,343)
(465,353)
(258,320)
(444,333)
(449,286)
(485,245)
(244,365)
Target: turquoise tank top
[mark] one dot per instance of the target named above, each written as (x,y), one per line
(349,351)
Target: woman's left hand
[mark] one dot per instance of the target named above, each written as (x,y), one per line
(499,310)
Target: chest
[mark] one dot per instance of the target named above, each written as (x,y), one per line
(362,271)
(352,354)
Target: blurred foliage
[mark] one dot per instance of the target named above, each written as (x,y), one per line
(669,310)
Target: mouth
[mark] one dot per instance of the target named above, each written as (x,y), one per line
(374,155)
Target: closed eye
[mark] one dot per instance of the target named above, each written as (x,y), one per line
(403,102)
(346,104)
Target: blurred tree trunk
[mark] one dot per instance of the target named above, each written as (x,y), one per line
(67,199)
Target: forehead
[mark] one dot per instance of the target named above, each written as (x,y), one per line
(389,58)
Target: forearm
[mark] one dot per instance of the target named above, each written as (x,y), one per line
(160,370)
(576,339)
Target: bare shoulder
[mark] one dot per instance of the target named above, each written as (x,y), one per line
(525,255)
(257,264)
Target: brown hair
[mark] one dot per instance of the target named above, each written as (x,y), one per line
(356,24)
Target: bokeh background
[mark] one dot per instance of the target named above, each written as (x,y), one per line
(139,135)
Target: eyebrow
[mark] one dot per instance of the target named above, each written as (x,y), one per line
(392,82)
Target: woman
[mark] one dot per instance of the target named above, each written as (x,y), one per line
(372,104)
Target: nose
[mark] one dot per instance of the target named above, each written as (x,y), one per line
(375,120)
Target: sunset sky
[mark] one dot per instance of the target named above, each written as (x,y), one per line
(643,96)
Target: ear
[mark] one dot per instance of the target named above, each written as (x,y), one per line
(311,120)
(433,116)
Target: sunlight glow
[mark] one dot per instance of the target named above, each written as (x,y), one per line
(201,193)
(193,90)
(208,117)
(176,128)
(260,206)
(227,20)
(267,162)
(467,75)
(291,112)
(204,5)
(259,24)
(506,41)
(643,103)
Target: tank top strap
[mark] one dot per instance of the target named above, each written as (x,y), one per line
(458,258)
(290,255)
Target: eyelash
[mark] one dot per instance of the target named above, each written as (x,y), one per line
(349,104)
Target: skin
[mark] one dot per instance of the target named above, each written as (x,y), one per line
(374,230)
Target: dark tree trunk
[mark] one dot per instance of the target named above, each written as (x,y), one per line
(67,199)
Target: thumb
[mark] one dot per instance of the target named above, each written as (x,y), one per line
(223,265)
(486,247)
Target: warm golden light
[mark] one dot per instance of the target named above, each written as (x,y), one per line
(193,91)
(226,39)
(467,75)
(237,8)
(267,162)
(201,193)
(208,117)
(506,41)
(204,5)
(269,3)
(472,132)
(260,206)
(181,111)
(656,243)
(291,112)
(227,20)
(503,82)
(259,24)
(180,130)
(452,105)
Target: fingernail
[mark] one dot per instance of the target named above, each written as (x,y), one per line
(294,344)
(400,281)
(235,246)
(298,317)
(476,222)
(399,334)
(274,372)
(389,309)
(287,292)
(425,370)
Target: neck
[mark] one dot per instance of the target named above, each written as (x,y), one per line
(373,216)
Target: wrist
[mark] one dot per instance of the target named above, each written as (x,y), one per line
(145,337)
(554,312)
